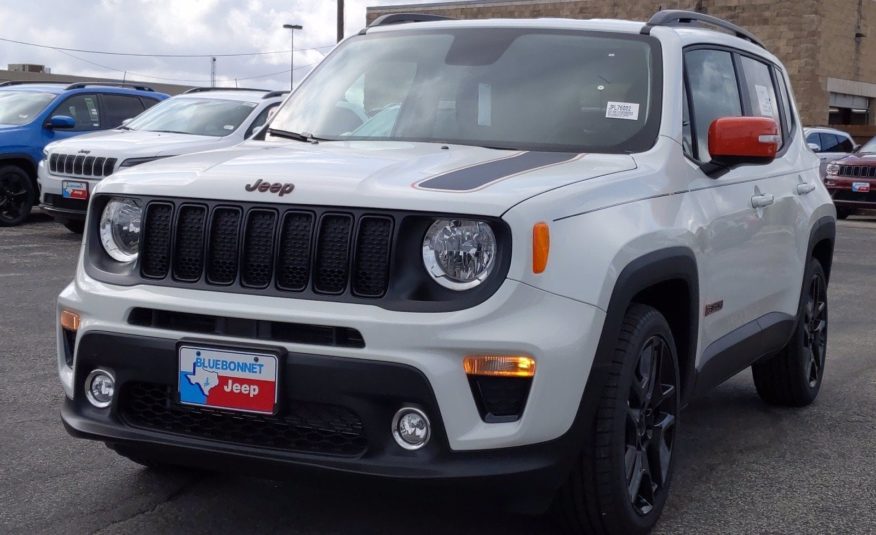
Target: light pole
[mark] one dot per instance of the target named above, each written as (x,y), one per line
(292,28)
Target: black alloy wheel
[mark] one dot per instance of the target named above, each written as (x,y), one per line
(16,196)
(651,416)
(815,326)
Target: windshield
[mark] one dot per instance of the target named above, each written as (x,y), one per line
(505,88)
(869,146)
(196,116)
(21,107)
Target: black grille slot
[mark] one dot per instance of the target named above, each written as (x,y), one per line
(302,426)
(223,257)
(293,258)
(88,166)
(98,166)
(333,254)
(371,272)
(258,249)
(188,254)
(77,164)
(155,251)
(68,164)
(108,166)
(53,163)
(500,399)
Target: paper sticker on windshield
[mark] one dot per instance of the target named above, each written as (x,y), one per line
(622,110)
(228,127)
(764,100)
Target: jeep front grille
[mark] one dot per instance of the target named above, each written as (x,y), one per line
(863,171)
(81,165)
(325,251)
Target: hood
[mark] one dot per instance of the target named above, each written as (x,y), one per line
(858,158)
(134,143)
(388,175)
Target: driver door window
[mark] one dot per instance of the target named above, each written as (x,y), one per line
(83,109)
(714,93)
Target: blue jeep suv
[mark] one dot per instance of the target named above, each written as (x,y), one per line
(35,114)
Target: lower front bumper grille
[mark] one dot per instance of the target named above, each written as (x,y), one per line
(302,427)
(57,201)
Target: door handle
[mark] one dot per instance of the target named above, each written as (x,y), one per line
(762,200)
(804,188)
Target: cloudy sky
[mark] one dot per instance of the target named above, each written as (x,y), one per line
(176,27)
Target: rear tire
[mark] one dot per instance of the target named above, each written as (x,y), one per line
(621,479)
(793,377)
(17,194)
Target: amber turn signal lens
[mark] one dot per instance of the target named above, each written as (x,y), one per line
(500,365)
(541,247)
(70,320)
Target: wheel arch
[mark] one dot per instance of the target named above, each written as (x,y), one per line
(22,161)
(822,238)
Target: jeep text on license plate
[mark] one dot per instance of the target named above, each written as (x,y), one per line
(226,379)
(861,187)
(74,189)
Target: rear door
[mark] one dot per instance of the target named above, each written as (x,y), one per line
(117,108)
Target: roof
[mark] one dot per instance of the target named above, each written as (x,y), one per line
(243,95)
(66,87)
(37,88)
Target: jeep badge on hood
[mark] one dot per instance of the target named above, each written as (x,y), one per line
(276,187)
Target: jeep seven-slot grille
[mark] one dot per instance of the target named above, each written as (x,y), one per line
(863,171)
(292,250)
(81,165)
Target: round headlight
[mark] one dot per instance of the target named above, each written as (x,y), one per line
(120,229)
(832,169)
(459,253)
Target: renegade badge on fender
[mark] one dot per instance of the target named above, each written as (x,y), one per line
(514,250)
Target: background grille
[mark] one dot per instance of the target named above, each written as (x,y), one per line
(305,427)
(262,248)
(81,165)
(863,171)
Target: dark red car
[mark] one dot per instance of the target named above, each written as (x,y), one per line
(851,181)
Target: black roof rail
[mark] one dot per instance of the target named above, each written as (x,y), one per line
(272,94)
(22,82)
(400,18)
(205,89)
(679,17)
(83,85)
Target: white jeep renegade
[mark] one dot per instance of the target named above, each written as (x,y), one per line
(501,250)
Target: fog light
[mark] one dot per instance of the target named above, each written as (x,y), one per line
(99,388)
(410,428)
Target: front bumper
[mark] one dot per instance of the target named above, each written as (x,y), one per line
(840,189)
(52,200)
(320,393)
(559,332)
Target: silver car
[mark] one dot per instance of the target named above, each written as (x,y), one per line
(829,144)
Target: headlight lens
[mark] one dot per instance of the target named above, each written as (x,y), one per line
(459,253)
(131,162)
(120,229)
(832,169)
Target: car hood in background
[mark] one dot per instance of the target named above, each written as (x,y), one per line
(135,144)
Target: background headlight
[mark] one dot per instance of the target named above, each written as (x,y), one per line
(459,253)
(120,229)
(832,169)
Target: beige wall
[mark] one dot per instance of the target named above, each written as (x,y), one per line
(815,39)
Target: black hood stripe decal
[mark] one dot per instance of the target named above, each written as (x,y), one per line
(483,174)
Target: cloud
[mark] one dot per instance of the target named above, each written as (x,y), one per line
(177,27)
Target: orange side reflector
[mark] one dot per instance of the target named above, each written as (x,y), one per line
(500,365)
(70,320)
(541,247)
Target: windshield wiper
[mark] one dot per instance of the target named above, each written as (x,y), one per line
(169,132)
(305,136)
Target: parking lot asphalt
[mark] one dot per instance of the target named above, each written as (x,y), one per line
(742,467)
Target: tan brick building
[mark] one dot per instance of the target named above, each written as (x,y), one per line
(826,45)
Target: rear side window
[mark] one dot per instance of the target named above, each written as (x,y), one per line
(762,99)
(714,93)
(120,107)
(148,102)
(830,142)
(83,109)
(845,144)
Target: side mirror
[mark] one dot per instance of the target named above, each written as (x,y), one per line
(61,122)
(741,140)
(814,147)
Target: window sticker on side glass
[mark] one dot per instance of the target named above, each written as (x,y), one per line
(764,100)
(622,110)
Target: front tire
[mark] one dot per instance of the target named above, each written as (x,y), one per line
(76,227)
(621,480)
(17,194)
(793,377)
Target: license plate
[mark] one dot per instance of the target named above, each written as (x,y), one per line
(861,187)
(75,190)
(226,379)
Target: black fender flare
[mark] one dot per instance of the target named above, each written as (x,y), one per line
(823,229)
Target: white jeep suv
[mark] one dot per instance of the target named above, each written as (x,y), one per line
(503,251)
(204,118)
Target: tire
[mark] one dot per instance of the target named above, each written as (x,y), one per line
(76,227)
(793,377)
(17,195)
(628,444)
